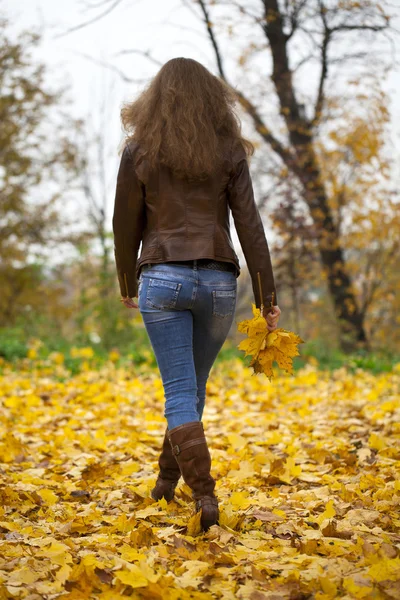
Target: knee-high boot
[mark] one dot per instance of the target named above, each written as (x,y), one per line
(190,449)
(169,474)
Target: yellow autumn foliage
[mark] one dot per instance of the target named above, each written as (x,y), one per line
(307,476)
(267,347)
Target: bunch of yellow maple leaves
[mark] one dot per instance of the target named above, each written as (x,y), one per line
(265,346)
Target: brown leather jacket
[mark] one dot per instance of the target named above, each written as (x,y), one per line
(178,220)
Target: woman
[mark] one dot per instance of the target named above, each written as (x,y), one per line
(183,166)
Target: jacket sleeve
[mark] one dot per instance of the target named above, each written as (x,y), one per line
(250,228)
(128,223)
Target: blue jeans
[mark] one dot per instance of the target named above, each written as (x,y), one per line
(187,311)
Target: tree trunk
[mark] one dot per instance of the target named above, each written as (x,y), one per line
(350,320)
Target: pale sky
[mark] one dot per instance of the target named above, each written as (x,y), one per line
(166,28)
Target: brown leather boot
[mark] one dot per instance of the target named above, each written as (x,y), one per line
(190,449)
(169,474)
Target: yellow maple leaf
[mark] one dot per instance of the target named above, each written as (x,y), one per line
(194,524)
(328,513)
(385,569)
(265,346)
(132,576)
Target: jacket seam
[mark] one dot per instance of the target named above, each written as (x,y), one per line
(123,237)
(186,219)
(231,157)
(215,224)
(160,249)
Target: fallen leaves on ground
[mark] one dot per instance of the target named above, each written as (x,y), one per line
(306,469)
(266,347)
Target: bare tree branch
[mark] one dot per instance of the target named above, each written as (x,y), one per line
(91,5)
(294,17)
(303,61)
(210,32)
(346,27)
(324,66)
(107,65)
(145,53)
(86,23)
(265,133)
(243,10)
(260,126)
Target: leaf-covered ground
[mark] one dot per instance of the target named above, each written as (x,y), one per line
(307,471)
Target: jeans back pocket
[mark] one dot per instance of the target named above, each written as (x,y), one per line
(162,293)
(223,302)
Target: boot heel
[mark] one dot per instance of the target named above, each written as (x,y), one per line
(210,511)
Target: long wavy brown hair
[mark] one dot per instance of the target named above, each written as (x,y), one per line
(182,118)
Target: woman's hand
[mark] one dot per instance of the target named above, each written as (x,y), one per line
(128,302)
(272,317)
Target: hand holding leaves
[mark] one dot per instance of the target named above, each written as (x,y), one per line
(267,346)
